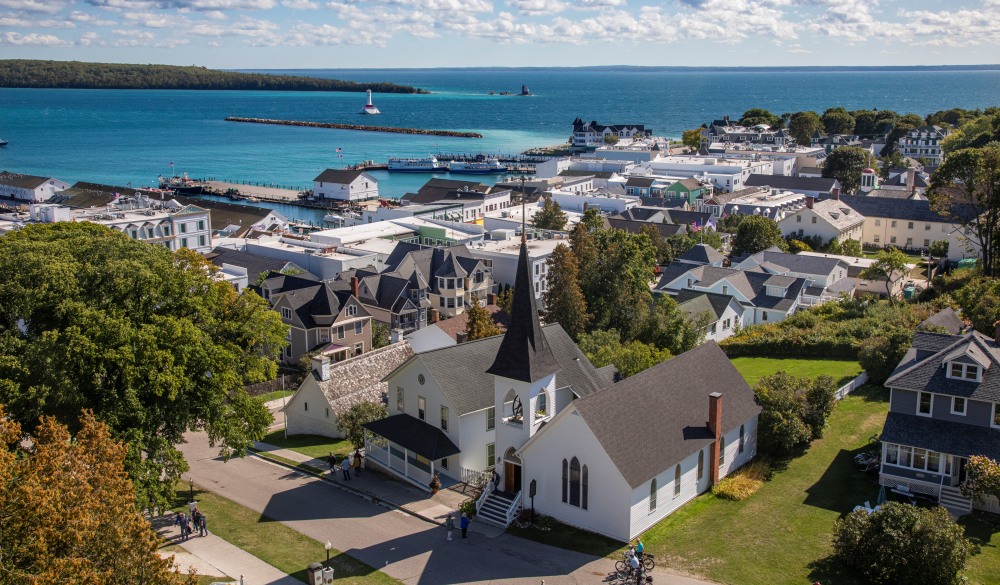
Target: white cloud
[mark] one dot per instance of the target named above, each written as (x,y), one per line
(88,39)
(300,4)
(32,39)
(12,21)
(47,6)
(90,19)
(601,3)
(538,7)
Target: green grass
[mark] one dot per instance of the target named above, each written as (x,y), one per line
(275,543)
(268,396)
(755,368)
(570,538)
(984,531)
(311,445)
(774,536)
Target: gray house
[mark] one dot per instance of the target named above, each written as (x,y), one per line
(944,407)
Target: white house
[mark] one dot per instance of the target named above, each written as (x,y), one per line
(911,224)
(726,314)
(924,143)
(29,187)
(829,219)
(826,278)
(531,407)
(345,185)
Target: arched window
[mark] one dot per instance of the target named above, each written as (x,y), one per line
(565,480)
(574,482)
(701,464)
(652,495)
(584,486)
(540,404)
(742,439)
(677,480)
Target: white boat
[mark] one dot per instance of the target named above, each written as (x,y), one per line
(485,167)
(369,106)
(416,165)
(3,142)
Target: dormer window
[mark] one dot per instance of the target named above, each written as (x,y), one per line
(960,371)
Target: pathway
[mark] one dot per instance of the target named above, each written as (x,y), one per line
(403,545)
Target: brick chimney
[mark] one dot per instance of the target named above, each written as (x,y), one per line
(835,195)
(809,202)
(433,315)
(715,426)
(321,367)
(354,285)
(491,298)
(996,331)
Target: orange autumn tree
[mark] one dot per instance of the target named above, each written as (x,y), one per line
(68,513)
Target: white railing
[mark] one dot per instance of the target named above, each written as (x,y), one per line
(514,507)
(418,475)
(852,385)
(377,454)
(482,499)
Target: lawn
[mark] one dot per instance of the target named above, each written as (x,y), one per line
(311,445)
(755,368)
(269,396)
(777,535)
(275,543)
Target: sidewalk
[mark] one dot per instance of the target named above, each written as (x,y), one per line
(210,555)
(386,491)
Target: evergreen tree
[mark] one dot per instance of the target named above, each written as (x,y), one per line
(481,323)
(564,302)
(550,217)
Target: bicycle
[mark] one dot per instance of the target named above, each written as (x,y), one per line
(646,559)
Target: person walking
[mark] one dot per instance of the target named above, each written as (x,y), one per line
(182,520)
(202,524)
(450,525)
(345,466)
(356,463)
(464,523)
(332,461)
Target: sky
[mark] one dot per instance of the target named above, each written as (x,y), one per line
(262,34)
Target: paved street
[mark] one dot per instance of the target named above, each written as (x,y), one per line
(405,547)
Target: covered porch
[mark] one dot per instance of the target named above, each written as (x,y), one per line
(408,448)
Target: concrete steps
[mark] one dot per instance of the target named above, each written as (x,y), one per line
(495,509)
(952,499)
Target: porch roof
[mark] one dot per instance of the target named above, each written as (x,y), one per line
(942,436)
(414,435)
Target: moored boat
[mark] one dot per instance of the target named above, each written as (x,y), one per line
(416,165)
(479,167)
(3,142)
(182,185)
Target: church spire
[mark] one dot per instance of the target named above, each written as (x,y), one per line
(524,354)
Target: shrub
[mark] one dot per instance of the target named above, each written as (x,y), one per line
(351,422)
(745,482)
(880,355)
(794,411)
(820,398)
(901,543)
(468,507)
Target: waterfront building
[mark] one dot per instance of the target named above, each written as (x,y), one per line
(727,132)
(924,143)
(592,134)
(602,170)
(345,185)
(29,188)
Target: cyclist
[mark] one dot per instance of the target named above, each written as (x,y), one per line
(634,565)
(639,548)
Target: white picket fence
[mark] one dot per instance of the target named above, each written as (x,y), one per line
(852,385)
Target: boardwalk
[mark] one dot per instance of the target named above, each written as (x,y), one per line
(262,193)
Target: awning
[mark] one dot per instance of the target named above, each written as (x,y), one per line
(414,435)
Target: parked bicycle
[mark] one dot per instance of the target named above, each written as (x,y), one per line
(645,558)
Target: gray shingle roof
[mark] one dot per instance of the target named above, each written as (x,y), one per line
(905,209)
(701,254)
(923,371)
(749,283)
(651,421)
(801,264)
(460,370)
(254,263)
(21,181)
(947,318)
(359,379)
(942,436)
(791,183)
(694,302)
(336,176)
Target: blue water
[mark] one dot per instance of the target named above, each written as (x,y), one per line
(117,137)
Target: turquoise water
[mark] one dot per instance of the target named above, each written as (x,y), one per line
(118,137)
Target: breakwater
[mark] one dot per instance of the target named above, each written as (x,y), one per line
(358,127)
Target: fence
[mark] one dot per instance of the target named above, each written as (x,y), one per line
(278,383)
(852,385)
(476,477)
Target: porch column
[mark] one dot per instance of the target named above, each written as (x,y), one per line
(406,462)
(432,469)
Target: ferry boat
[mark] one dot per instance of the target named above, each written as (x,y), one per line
(483,167)
(416,165)
(182,185)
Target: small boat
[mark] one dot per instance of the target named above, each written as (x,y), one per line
(3,142)
(369,107)
(416,165)
(477,167)
(252,199)
(524,90)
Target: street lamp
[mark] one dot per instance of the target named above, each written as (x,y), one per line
(328,548)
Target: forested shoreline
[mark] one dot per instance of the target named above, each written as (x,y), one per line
(25,73)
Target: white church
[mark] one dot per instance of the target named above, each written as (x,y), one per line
(609,457)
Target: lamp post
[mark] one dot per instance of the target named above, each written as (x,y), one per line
(328,547)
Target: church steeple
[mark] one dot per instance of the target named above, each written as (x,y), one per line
(524,354)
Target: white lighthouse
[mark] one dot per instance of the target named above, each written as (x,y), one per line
(369,107)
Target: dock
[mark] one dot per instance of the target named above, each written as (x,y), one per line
(264,193)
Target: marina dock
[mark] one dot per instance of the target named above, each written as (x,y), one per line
(264,193)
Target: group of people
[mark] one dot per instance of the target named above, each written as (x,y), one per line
(635,565)
(463,524)
(348,463)
(197,521)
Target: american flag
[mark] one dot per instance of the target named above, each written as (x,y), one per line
(339,149)
(695,227)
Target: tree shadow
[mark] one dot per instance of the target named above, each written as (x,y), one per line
(980,527)
(842,485)
(830,571)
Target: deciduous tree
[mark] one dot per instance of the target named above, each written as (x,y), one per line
(144,337)
(851,248)
(692,138)
(756,233)
(564,301)
(803,125)
(966,188)
(837,121)
(481,323)
(352,422)
(618,295)
(845,164)
(380,335)
(890,264)
(69,512)
(755,116)
(982,478)
(604,347)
